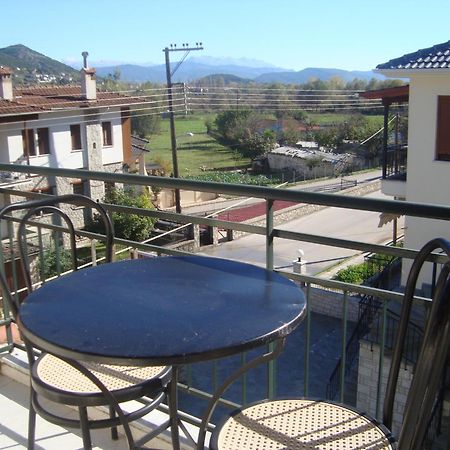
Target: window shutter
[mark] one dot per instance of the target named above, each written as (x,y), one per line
(443,128)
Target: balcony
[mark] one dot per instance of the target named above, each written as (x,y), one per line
(394,171)
(321,358)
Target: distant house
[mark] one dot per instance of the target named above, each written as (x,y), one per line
(76,127)
(306,163)
(428,154)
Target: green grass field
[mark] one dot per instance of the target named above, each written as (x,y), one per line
(196,153)
(201,152)
(337,118)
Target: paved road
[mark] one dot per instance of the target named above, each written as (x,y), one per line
(332,222)
(220,203)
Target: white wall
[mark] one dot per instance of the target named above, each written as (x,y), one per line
(11,143)
(61,153)
(114,153)
(428,179)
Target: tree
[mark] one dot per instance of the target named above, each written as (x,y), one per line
(289,137)
(144,124)
(254,144)
(227,122)
(128,226)
(327,137)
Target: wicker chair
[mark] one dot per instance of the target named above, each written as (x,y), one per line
(308,424)
(73,383)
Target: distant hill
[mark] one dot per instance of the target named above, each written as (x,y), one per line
(192,70)
(302,76)
(220,78)
(31,66)
(188,71)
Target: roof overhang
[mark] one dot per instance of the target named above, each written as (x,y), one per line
(408,73)
(397,94)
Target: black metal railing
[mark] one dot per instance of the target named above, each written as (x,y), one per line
(395,161)
(270,234)
(369,306)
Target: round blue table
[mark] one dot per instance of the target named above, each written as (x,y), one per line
(161,311)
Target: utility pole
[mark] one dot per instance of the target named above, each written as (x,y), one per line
(173,48)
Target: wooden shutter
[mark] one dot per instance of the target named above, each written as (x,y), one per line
(43,141)
(75,135)
(28,143)
(126,136)
(443,128)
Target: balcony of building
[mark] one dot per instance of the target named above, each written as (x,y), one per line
(394,146)
(340,351)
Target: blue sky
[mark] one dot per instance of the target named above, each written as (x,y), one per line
(346,34)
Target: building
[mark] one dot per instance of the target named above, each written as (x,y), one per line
(428,155)
(75,127)
(307,163)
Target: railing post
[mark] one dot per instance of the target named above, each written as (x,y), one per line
(308,337)
(271,367)
(381,361)
(93,252)
(269,234)
(385,139)
(344,345)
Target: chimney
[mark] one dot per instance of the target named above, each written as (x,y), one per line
(6,88)
(88,82)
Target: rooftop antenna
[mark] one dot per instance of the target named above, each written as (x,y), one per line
(85,55)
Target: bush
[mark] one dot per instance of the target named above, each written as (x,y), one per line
(354,274)
(128,226)
(358,273)
(236,178)
(48,262)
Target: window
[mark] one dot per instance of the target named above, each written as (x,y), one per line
(29,148)
(43,141)
(75,136)
(443,128)
(107,134)
(32,137)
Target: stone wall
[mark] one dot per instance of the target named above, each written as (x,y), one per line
(368,369)
(330,303)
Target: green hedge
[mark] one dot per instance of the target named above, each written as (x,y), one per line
(236,178)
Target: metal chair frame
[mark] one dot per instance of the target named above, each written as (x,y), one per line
(424,386)
(157,389)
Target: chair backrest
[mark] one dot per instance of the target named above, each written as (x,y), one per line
(433,353)
(63,209)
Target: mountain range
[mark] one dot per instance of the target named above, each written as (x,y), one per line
(195,68)
(29,65)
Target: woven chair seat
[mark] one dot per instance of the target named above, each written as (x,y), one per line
(58,374)
(300,424)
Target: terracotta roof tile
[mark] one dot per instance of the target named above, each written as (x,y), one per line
(39,99)
(436,57)
(8,107)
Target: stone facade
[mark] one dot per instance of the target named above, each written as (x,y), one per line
(368,369)
(331,304)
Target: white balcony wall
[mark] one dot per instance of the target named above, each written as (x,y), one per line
(394,188)
(114,153)
(11,149)
(428,178)
(61,142)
